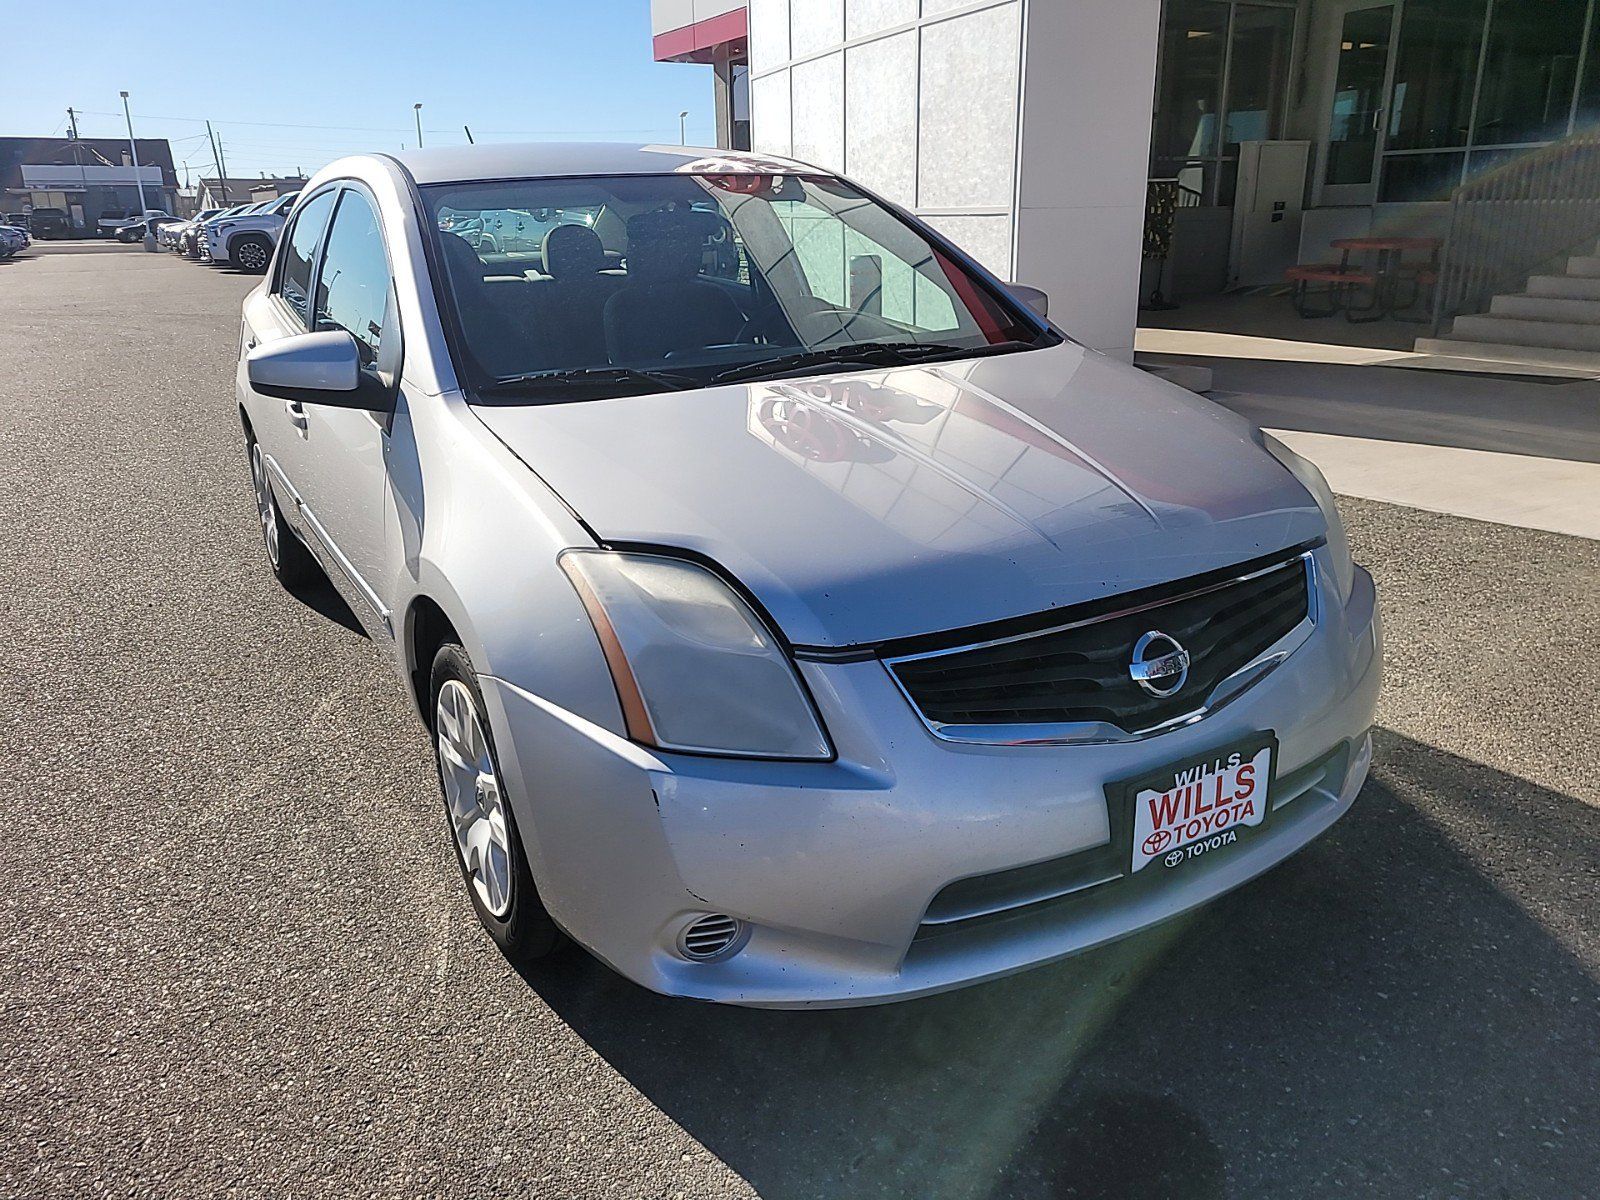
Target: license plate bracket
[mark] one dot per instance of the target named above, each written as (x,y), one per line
(1196,804)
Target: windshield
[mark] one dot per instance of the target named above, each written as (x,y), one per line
(577,288)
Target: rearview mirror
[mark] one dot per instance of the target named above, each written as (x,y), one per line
(1033,297)
(315,368)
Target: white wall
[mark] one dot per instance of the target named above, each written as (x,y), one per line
(1020,128)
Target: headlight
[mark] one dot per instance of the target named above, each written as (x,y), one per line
(695,668)
(1311,478)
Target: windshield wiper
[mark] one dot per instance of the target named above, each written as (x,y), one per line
(874,354)
(561,379)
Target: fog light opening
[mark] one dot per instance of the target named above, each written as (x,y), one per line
(713,936)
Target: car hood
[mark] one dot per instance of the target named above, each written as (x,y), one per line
(876,505)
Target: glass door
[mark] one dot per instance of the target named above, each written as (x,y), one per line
(1362,70)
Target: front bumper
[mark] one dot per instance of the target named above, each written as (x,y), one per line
(833,865)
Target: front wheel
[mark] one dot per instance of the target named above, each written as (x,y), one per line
(251,254)
(483,829)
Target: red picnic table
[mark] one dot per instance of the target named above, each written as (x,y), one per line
(1385,277)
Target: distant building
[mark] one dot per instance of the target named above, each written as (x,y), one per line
(85,178)
(223,193)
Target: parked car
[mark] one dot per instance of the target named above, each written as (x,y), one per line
(13,238)
(189,236)
(49,223)
(134,231)
(247,240)
(799,618)
(112,219)
(171,236)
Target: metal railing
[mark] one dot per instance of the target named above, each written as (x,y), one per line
(1533,210)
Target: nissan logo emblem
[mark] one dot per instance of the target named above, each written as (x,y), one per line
(1160,665)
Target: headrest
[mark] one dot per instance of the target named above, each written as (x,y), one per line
(462,261)
(572,251)
(666,244)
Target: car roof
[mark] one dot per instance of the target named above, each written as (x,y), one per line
(462,164)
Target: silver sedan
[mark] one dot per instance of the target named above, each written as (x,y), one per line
(800,618)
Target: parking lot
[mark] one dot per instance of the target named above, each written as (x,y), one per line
(237,958)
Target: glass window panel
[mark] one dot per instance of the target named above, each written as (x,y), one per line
(353,286)
(294,278)
(1433,74)
(1258,74)
(1589,91)
(1358,95)
(1189,95)
(1420,176)
(1529,71)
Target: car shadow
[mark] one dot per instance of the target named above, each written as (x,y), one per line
(322,598)
(1395,1011)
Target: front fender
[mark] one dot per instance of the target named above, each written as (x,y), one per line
(478,533)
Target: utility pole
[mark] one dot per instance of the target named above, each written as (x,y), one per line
(77,153)
(216,157)
(417,108)
(224,159)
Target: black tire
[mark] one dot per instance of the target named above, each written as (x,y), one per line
(287,555)
(251,253)
(525,932)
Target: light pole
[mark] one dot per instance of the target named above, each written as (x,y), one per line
(417,108)
(683,128)
(138,177)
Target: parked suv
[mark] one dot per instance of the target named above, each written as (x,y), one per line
(189,237)
(171,236)
(799,617)
(247,240)
(50,223)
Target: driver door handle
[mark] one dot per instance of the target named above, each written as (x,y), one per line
(297,414)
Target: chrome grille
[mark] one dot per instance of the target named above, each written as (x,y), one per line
(1078,672)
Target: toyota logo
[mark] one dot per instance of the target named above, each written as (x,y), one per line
(1160,665)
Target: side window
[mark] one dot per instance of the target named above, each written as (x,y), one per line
(353,286)
(294,277)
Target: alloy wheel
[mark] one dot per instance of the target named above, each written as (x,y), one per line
(266,506)
(473,796)
(252,256)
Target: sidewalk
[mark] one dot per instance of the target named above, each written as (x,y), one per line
(1512,450)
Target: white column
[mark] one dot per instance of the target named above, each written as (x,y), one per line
(1088,89)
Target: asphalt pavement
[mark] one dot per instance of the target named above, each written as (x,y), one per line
(236,957)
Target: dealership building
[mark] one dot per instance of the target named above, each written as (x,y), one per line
(84,179)
(1029,130)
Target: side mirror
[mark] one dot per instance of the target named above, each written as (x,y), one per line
(315,368)
(1032,297)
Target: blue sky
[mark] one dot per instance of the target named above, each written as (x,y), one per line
(296,84)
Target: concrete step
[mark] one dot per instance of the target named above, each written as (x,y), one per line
(1514,331)
(1585,265)
(1586,361)
(1547,308)
(1568,287)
